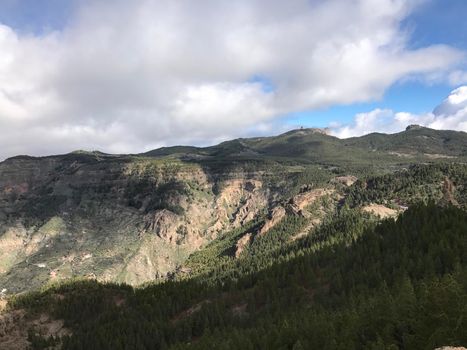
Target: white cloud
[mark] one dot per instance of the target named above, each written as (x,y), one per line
(126,76)
(451,114)
(458,77)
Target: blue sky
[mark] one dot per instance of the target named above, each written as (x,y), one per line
(441,22)
(413,97)
(435,22)
(127,76)
(36,16)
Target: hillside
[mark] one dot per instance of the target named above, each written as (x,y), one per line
(231,243)
(316,145)
(396,284)
(140,218)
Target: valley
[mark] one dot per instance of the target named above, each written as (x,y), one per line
(195,232)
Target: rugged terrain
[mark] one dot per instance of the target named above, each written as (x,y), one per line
(114,218)
(279,242)
(139,218)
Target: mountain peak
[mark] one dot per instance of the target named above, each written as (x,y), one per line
(414,127)
(308,131)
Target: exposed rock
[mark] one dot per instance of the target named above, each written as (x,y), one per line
(402,155)
(240,200)
(242,243)
(448,192)
(304,199)
(3,304)
(87,214)
(295,206)
(277,214)
(438,156)
(451,348)
(309,131)
(414,127)
(248,211)
(302,233)
(348,180)
(380,210)
(163,223)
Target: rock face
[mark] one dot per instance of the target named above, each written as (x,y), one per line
(413,127)
(348,180)
(448,192)
(242,243)
(309,131)
(114,218)
(164,223)
(295,206)
(277,214)
(380,210)
(306,198)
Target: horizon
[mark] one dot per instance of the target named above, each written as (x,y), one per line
(127,77)
(325,130)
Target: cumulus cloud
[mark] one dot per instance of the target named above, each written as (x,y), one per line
(127,76)
(451,114)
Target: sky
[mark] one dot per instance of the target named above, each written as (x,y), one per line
(127,76)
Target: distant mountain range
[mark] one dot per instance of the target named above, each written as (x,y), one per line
(317,146)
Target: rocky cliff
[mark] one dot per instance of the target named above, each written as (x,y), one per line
(130,219)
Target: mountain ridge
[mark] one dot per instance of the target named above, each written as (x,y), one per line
(138,218)
(176,249)
(303,132)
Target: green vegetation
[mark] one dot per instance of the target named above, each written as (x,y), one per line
(417,140)
(329,276)
(217,253)
(215,266)
(374,151)
(417,183)
(401,284)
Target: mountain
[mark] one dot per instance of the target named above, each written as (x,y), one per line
(137,218)
(236,240)
(316,145)
(416,140)
(396,284)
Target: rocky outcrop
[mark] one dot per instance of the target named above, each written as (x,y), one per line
(414,127)
(240,200)
(295,206)
(122,212)
(163,223)
(348,180)
(306,230)
(448,192)
(308,131)
(380,210)
(304,199)
(276,215)
(242,243)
